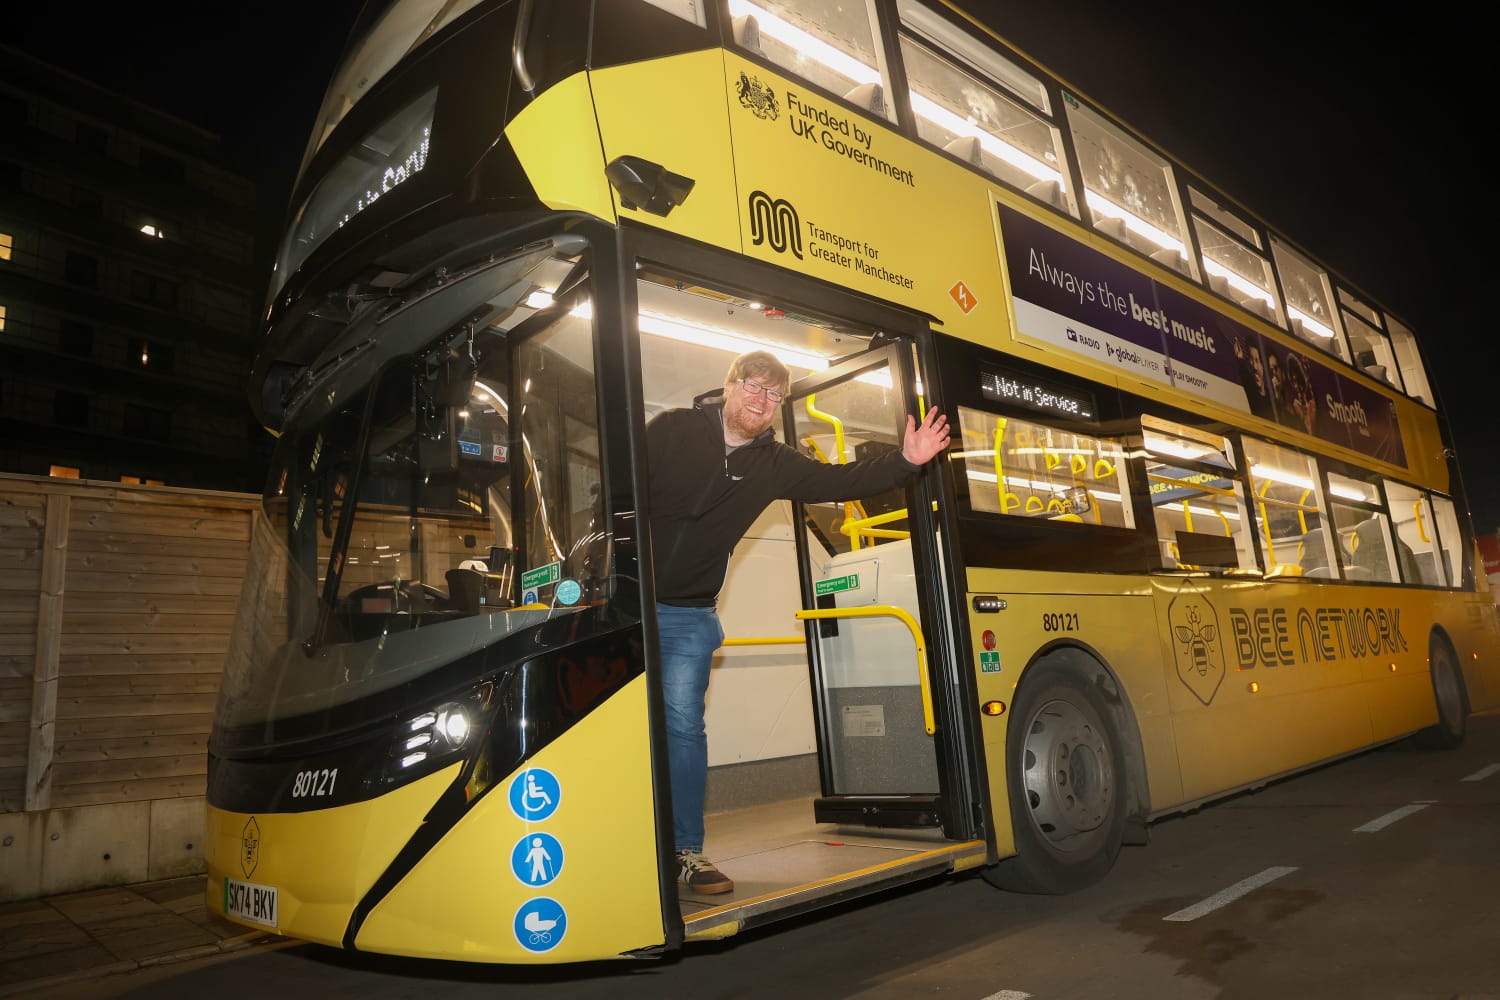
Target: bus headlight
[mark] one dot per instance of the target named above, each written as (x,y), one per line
(439,732)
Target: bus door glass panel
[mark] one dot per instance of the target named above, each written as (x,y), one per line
(835,45)
(861,558)
(1025,469)
(1418,555)
(1129,189)
(958,109)
(1288,507)
(1198,504)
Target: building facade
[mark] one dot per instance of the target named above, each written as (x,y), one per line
(129,288)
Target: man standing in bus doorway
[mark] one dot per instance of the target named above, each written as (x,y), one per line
(713,469)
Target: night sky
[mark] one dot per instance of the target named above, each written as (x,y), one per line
(1366,132)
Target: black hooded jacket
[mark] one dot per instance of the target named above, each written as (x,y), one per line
(703,501)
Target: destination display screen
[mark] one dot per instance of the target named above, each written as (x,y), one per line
(1002,386)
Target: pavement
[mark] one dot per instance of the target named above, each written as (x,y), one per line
(101,932)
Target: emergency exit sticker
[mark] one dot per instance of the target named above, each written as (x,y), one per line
(989,662)
(836,584)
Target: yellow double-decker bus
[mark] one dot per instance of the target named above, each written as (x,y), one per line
(1200,526)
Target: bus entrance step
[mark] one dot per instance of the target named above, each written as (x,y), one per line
(878,810)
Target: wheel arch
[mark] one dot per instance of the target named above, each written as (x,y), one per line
(1089,665)
(1440,634)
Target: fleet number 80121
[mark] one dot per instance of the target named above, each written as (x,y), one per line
(1061,621)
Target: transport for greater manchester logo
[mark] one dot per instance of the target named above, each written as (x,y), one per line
(1198,642)
(774,221)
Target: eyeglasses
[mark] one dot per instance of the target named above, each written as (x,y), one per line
(756,389)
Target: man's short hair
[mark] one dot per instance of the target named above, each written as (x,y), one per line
(762,366)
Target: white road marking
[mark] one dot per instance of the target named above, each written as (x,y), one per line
(1008,995)
(1381,822)
(1227,896)
(1482,773)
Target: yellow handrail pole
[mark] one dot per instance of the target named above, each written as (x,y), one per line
(1265,523)
(1302,512)
(1000,468)
(902,615)
(1416,509)
(828,418)
(850,506)
(767,640)
(1187,514)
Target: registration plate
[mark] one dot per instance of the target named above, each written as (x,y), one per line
(251,902)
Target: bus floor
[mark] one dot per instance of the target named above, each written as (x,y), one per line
(783,862)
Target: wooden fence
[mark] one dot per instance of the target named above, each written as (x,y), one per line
(116,605)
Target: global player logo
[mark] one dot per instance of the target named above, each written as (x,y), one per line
(1200,655)
(775,221)
(759,98)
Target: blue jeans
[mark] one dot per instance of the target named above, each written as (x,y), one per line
(689,637)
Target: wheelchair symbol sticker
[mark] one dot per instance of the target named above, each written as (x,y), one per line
(534,794)
(540,924)
(536,859)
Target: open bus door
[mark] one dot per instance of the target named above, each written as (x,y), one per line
(876,611)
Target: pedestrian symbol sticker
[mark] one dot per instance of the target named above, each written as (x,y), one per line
(537,858)
(540,924)
(534,794)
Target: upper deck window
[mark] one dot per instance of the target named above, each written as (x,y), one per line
(831,44)
(689,10)
(1129,189)
(400,30)
(1409,362)
(959,109)
(1370,347)
(1234,259)
(1309,300)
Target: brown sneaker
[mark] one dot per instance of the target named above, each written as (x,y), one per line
(699,874)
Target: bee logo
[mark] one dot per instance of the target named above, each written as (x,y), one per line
(759,98)
(1195,631)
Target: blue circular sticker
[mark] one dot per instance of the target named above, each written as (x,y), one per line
(536,859)
(568,592)
(540,924)
(534,794)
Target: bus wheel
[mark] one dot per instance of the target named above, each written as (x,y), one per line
(1064,769)
(1452,707)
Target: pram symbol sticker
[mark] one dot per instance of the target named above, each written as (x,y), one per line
(536,859)
(534,794)
(540,924)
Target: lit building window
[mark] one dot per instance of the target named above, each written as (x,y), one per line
(2,319)
(6,241)
(63,472)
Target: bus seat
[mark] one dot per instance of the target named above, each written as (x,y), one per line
(966,148)
(1377,372)
(1300,331)
(1370,552)
(1171,258)
(1313,554)
(747,34)
(1114,227)
(1048,191)
(868,96)
(1219,284)
(465,586)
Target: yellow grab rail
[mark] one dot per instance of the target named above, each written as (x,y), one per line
(767,640)
(890,611)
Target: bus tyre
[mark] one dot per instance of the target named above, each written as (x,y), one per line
(1067,803)
(1452,707)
